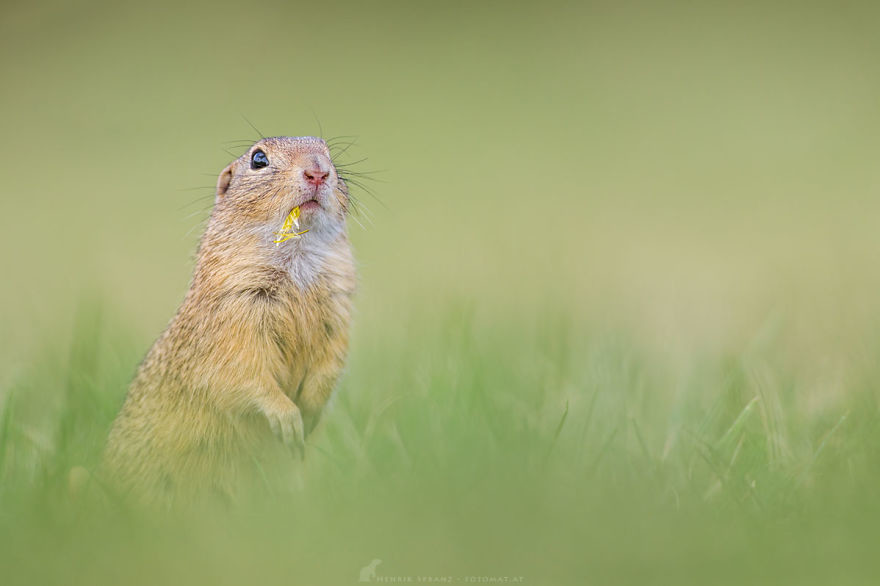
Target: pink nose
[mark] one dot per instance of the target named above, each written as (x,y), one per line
(316,176)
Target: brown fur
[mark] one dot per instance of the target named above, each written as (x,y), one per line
(258,343)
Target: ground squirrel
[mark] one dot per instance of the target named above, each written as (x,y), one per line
(260,339)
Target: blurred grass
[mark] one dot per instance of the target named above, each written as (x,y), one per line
(516,451)
(617,320)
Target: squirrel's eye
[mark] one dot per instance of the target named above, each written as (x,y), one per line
(259,160)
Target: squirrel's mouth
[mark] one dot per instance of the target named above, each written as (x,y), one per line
(311,204)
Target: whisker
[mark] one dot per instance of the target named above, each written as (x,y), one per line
(367,175)
(320,128)
(343,151)
(202,224)
(195,201)
(252,126)
(366,189)
(244,141)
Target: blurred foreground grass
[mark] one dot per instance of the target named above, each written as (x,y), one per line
(540,448)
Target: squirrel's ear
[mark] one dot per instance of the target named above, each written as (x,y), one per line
(224,180)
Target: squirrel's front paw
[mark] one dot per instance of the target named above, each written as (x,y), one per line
(287,424)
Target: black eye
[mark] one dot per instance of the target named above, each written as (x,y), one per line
(259,160)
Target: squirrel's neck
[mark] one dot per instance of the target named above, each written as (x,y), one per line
(230,262)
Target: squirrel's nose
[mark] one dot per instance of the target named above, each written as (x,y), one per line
(316,175)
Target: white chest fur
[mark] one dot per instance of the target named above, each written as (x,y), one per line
(315,253)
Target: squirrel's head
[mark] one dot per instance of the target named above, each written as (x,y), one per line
(257,191)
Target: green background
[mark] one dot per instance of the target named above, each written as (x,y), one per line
(617,317)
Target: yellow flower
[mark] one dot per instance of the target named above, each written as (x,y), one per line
(286,232)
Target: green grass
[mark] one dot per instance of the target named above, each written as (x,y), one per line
(547,450)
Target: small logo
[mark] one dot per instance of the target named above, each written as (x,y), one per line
(368,572)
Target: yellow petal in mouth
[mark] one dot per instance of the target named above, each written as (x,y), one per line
(287,229)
